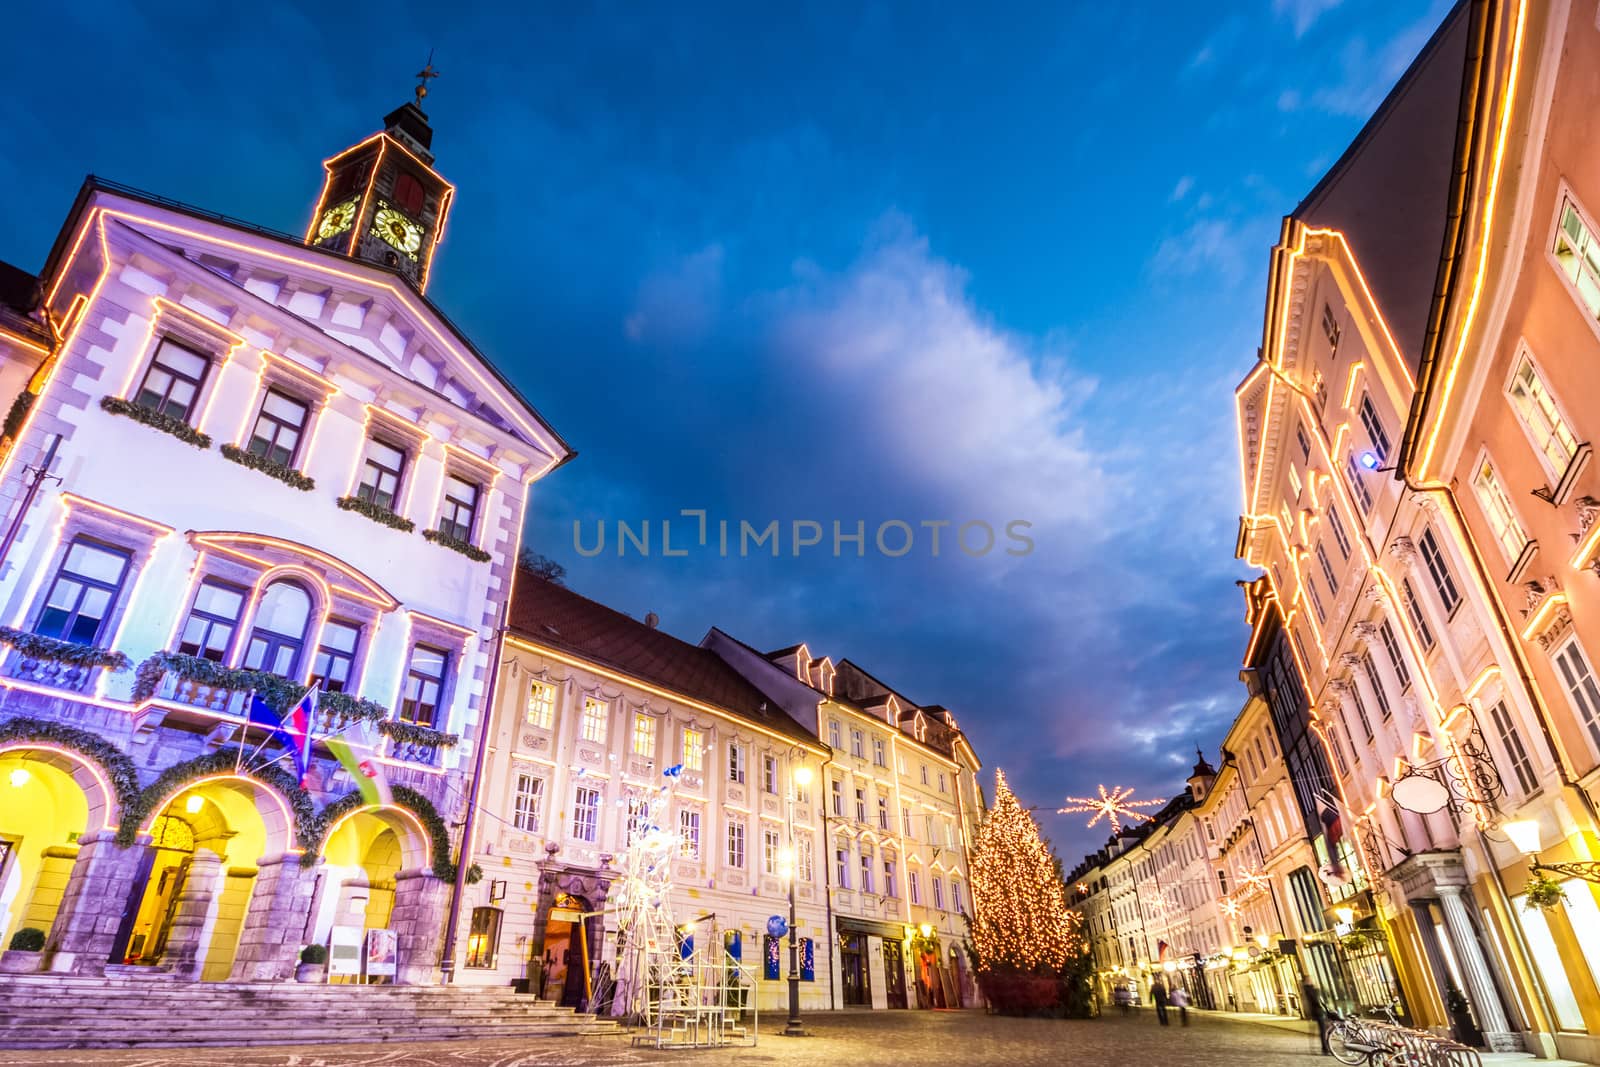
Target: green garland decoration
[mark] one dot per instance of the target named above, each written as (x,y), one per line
(412,734)
(119,768)
(404,797)
(278,692)
(34,646)
(170,782)
(18,413)
(287,475)
(455,544)
(156,420)
(376,512)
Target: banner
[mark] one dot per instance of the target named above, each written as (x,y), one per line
(773,957)
(808,961)
(383,953)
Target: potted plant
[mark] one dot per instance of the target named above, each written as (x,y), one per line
(313,964)
(1543,893)
(22,956)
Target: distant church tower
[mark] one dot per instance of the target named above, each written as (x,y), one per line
(382,201)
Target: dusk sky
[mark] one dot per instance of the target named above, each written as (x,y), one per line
(899,261)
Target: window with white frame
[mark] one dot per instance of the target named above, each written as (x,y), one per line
(644,734)
(769,774)
(279,426)
(867,879)
(1316,601)
(1577,253)
(1327,570)
(1391,648)
(955,895)
(528,803)
(736,762)
(86,588)
(689,833)
(694,749)
(883,812)
(905,821)
(1438,571)
(1330,328)
(208,631)
(929,829)
(836,788)
(900,759)
(1374,427)
(541,708)
(173,380)
(1511,741)
(944,782)
(769,851)
(891,887)
(1336,527)
(1497,509)
(1358,486)
(938,893)
(1370,669)
(841,864)
(924,774)
(595,714)
(914,885)
(856,745)
(861,804)
(736,844)
(586,814)
(880,752)
(1304,442)
(1578,678)
(833,734)
(1542,421)
(804,859)
(1414,612)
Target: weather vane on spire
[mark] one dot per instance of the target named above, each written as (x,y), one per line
(423,75)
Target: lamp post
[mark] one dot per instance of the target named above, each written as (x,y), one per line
(1526,838)
(800,777)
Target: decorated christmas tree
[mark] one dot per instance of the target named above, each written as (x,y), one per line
(1026,945)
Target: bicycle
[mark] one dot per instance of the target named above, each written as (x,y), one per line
(1355,1041)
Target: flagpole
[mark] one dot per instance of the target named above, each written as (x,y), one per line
(447,960)
(244,732)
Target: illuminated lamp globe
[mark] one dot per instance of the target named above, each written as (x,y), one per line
(1420,793)
(1346,915)
(802,775)
(194,803)
(1369,460)
(927,930)
(1169,966)
(1525,836)
(19,777)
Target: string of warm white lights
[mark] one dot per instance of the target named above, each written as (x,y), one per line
(1022,921)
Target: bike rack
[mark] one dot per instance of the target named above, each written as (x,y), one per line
(1417,1048)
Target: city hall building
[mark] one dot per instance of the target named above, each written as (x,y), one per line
(240,463)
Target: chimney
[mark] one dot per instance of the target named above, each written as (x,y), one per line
(652,620)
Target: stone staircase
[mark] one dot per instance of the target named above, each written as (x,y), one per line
(155,1011)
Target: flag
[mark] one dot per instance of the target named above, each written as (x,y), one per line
(261,714)
(297,726)
(1161,949)
(359,759)
(1333,828)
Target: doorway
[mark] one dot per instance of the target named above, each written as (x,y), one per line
(565,972)
(853,970)
(172,845)
(894,972)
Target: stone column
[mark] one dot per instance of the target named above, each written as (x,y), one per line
(99,890)
(280,905)
(420,900)
(1480,985)
(186,944)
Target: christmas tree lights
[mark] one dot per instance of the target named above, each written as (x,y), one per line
(1022,922)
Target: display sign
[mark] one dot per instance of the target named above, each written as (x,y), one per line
(772,958)
(383,953)
(808,961)
(344,951)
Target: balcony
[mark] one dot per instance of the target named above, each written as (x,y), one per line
(410,743)
(55,664)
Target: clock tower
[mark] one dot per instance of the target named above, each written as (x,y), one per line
(382,201)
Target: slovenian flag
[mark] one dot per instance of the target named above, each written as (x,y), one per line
(297,724)
(358,756)
(262,715)
(1333,830)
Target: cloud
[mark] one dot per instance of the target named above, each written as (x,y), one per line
(1303,13)
(1288,100)
(677,307)
(1181,190)
(1367,73)
(1207,244)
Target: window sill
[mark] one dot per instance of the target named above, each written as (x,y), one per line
(1523,561)
(455,544)
(1563,488)
(115,405)
(380,515)
(287,475)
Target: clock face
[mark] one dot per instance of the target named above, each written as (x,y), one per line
(337,219)
(398,230)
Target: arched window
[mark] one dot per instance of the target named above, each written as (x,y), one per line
(279,633)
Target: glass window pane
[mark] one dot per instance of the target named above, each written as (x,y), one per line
(92,561)
(284,609)
(180,359)
(1548,960)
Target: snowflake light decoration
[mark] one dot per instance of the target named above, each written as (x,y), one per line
(1113,806)
(1230,906)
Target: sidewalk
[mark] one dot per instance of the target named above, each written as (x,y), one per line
(1309,1028)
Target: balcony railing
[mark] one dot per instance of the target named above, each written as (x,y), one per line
(54,663)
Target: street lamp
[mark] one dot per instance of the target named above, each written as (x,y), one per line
(1526,839)
(800,777)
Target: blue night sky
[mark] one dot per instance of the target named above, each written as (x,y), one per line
(860,262)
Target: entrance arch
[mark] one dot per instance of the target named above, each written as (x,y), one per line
(207,843)
(49,799)
(377,874)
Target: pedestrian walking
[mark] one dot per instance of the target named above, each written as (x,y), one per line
(1311,1003)
(1158,996)
(1122,996)
(1180,1000)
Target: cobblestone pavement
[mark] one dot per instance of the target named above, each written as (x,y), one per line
(837,1040)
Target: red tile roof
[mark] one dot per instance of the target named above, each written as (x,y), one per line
(553,615)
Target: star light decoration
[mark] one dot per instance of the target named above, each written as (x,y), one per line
(1113,806)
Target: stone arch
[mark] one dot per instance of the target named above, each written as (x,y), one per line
(100,795)
(234,792)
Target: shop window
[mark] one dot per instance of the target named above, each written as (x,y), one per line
(483,939)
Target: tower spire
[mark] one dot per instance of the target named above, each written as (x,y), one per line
(423,76)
